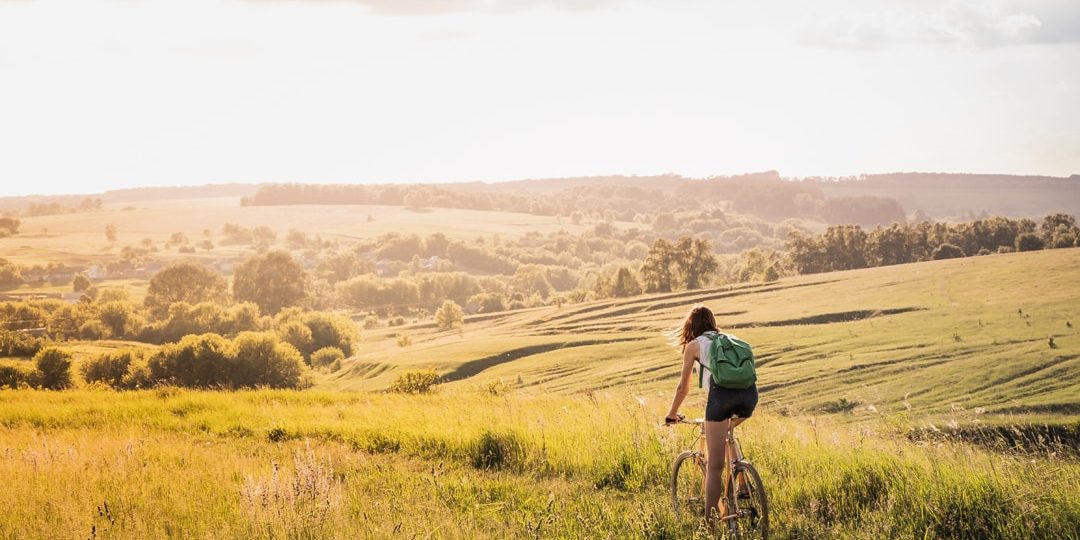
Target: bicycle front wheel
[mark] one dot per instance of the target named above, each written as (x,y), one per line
(751,508)
(688,485)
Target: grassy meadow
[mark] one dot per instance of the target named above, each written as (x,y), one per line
(962,341)
(464,463)
(930,400)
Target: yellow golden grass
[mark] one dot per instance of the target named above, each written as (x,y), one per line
(464,463)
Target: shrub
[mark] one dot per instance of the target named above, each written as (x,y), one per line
(261,359)
(329,330)
(327,357)
(396,321)
(403,340)
(138,375)
(15,376)
(494,387)
(109,368)
(947,251)
(93,330)
(315,330)
(415,382)
(54,368)
(201,361)
(371,321)
(19,344)
(1028,242)
(298,335)
(497,451)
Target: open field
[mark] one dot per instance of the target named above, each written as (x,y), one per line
(871,382)
(79,238)
(464,464)
(963,340)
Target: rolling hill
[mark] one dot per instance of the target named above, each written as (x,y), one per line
(966,340)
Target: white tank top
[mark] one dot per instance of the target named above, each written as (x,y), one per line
(704,345)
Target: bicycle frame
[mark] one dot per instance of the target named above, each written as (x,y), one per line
(733,456)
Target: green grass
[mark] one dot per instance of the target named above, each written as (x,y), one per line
(293,464)
(955,348)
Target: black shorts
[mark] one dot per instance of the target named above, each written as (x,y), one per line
(726,402)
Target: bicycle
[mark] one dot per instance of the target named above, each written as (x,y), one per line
(743,495)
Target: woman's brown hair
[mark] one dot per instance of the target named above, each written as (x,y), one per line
(698,321)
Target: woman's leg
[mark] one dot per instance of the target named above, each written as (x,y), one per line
(715,442)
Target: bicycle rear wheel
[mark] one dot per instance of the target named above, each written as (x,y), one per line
(688,485)
(751,508)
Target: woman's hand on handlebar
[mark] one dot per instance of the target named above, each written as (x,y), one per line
(668,420)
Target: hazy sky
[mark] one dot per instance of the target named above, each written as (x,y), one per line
(101,94)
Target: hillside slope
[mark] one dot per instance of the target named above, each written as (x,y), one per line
(964,338)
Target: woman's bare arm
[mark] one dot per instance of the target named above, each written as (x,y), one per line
(690,354)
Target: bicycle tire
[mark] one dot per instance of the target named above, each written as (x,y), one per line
(688,490)
(752,514)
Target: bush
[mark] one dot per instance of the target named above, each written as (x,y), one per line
(1028,242)
(327,357)
(403,340)
(54,368)
(109,368)
(329,330)
(494,387)
(315,330)
(261,359)
(298,335)
(415,382)
(93,330)
(16,376)
(497,451)
(19,344)
(947,251)
(200,361)
(138,375)
(371,321)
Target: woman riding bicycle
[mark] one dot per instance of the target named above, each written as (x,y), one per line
(723,403)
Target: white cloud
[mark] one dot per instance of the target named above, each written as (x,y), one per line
(955,23)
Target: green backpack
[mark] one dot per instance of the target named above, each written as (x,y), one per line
(730,362)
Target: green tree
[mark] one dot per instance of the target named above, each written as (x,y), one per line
(273,281)
(449,316)
(120,317)
(54,368)
(695,261)
(625,284)
(658,269)
(183,282)
(9,226)
(10,276)
(80,283)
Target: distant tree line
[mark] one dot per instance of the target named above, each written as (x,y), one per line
(765,195)
(88,204)
(849,247)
